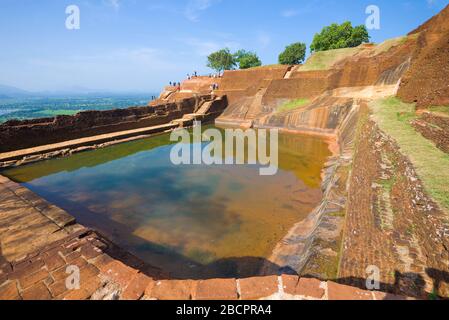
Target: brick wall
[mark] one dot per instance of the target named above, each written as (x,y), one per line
(15,135)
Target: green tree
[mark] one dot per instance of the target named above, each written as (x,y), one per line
(293,54)
(340,36)
(246,59)
(221,60)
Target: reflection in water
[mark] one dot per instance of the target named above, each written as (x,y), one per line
(183,219)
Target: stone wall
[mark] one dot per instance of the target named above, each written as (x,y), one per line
(15,135)
(391,222)
(244,79)
(323,115)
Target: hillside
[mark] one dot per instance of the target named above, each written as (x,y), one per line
(426,82)
(9,91)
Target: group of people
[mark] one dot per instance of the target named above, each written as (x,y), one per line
(195,75)
(215,75)
(213,86)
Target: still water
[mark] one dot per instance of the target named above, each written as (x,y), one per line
(192,221)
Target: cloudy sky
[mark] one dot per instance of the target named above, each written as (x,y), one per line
(140,45)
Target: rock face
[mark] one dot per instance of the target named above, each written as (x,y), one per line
(426,82)
(255,99)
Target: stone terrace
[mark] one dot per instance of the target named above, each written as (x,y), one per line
(40,241)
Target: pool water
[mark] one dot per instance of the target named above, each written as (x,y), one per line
(192,221)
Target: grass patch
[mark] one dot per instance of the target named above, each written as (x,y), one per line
(324,60)
(267,66)
(393,117)
(440,109)
(292,105)
(388,44)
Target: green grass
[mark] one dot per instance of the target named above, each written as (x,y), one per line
(267,66)
(388,44)
(431,164)
(440,109)
(292,105)
(324,60)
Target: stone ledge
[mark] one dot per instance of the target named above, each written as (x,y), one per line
(41,274)
(283,287)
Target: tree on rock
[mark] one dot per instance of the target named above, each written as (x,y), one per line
(246,59)
(293,54)
(340,36)
(221,60)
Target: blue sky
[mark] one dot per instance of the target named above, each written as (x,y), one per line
(140,45)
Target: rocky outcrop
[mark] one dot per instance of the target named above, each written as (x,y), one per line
(254,96)
(324,115)
(426,82)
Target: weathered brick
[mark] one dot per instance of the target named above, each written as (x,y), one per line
(173,290)
(387,296)
(149,289)
(73,244)
(136,288)
(9,291)
(54,251)
(85,292)
(341,292)
(119,273)
(310,288)
(26,267)
(258,287)
(88,251)
(5,267)
(88,271)
(99,244)
(3,278)
(60,274)
(102,261)
(37,292)
(31,279)
(58,288)
(216,289)
(289,283)
(79,262)
(75,295)
(49,281)
(72,257)
(54,262)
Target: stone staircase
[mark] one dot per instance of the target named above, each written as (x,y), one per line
(200,114)
(255,108)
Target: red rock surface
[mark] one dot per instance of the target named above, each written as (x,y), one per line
(426,82)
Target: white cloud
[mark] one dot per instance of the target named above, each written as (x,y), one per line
(289,13)
(195,7)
